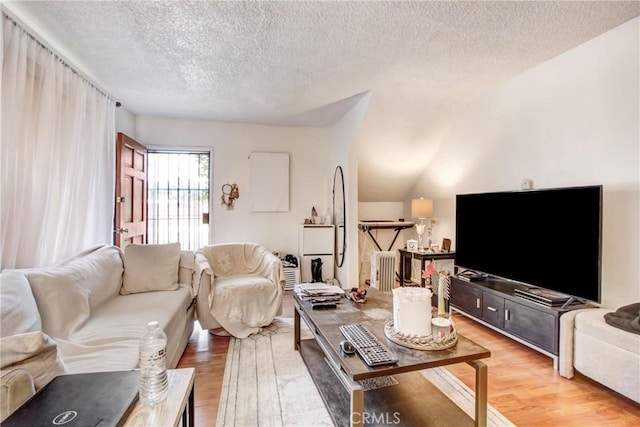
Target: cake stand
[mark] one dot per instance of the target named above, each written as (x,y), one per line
(420,342)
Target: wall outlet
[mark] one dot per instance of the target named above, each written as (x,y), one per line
(526,184)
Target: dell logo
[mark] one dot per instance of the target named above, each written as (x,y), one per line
(64,417)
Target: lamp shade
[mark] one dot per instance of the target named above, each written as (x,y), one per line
(421,208)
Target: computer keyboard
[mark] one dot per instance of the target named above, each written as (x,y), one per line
(372,351)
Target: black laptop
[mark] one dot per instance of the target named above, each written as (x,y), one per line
(94,399)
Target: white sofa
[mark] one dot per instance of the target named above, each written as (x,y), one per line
(604,353)
(240,288)
(88,313)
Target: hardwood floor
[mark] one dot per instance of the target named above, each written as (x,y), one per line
(523,385)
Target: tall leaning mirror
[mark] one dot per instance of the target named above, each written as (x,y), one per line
(339,212)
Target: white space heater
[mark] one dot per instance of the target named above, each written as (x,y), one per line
(383,270)
(291,277)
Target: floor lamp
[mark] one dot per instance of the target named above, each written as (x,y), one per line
(422,209)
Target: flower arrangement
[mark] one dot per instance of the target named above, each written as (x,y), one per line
(429,271)
(440,281)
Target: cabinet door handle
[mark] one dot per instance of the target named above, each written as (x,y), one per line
(507,315)
(491,309)
(477,302)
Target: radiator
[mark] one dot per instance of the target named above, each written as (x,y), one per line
(292,277)
(383,270)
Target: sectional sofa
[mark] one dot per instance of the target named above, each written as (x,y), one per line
(603,345)
(87,314)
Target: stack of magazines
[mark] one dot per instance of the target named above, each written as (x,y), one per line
(319,292)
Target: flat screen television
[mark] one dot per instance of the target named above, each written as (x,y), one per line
(549,238)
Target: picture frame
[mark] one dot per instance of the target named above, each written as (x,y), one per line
(446,245)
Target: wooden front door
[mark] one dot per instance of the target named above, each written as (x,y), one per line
(131,192)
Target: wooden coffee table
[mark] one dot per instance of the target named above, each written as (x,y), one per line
(413,401)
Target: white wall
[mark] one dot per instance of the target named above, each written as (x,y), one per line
(344,133)
(381,211)
(232,145)
(125,122)
(571,121)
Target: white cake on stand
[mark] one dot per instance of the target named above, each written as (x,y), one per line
(412,311)
(410,325)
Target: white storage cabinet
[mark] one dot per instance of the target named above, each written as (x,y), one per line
(316,241)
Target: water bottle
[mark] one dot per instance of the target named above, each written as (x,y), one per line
(154,386)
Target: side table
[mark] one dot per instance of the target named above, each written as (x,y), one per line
(406,257)
(179,404)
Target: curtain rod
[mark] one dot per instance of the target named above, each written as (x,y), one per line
(57,56)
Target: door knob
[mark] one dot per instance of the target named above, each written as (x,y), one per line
(122,230)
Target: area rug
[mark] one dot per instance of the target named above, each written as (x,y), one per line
(266,383)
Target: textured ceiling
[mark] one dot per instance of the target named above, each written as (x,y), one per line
(294,63)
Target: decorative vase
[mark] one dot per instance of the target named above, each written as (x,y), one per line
(420,231)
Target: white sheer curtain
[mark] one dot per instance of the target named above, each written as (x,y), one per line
(58,156)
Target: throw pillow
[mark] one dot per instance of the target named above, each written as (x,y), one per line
(103,271)
(63,301)
(18,309)
(67,292)
(36,353)
(150,268)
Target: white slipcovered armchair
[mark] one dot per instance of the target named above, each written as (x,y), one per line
(241,286)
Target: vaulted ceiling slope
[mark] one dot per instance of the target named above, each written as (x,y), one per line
(293,63)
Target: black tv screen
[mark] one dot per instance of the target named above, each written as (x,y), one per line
(547,238)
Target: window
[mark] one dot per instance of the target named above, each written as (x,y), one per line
(178,198)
